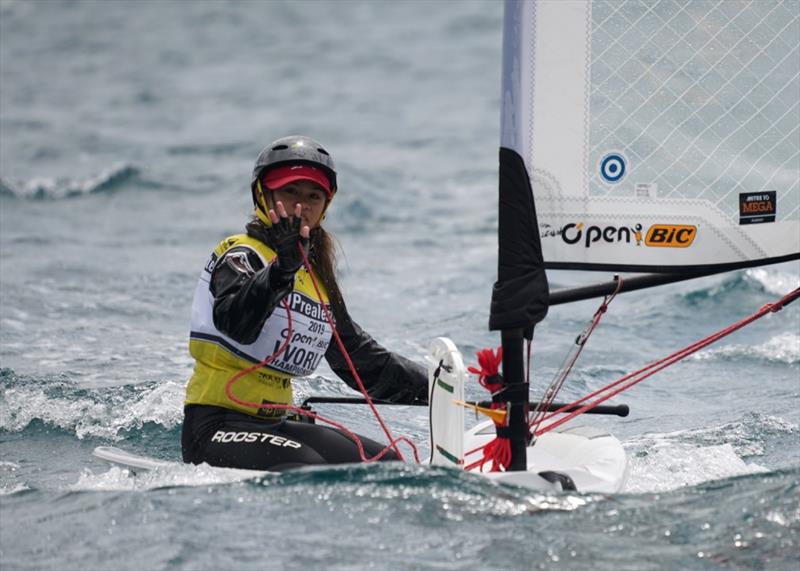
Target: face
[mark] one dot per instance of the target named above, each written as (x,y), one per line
(311,197)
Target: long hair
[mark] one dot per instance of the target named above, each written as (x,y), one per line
(322,255)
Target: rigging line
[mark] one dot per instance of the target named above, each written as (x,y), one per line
(569,361)
(436,374)
(290,408)
(228,390)
(636,377)
(346,355)
(786,300)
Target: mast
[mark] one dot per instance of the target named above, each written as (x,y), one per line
(520,294)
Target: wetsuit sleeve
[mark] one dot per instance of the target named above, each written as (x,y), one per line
(386,375)
(244,294)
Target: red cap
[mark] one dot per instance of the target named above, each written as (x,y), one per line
(281,176)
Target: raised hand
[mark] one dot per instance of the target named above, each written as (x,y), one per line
(287,233)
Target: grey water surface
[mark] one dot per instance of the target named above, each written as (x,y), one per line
(127,134)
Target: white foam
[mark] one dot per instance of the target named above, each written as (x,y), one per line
(9,484)
(87,416)
(783,348)
(173,475)
(774,281)
(13,489)
(662,462)
(48,187)
(162,405)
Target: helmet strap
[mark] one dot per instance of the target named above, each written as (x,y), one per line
(261,205)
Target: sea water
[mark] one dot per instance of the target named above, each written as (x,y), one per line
(127,135)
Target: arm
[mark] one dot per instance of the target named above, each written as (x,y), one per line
(245,293)
(386,375)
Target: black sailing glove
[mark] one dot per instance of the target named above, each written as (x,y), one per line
(285,238)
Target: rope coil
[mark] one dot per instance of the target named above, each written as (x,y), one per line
(498,450)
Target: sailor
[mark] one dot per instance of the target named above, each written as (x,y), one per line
(240,316)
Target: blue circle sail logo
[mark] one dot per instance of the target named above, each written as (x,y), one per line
(613,167)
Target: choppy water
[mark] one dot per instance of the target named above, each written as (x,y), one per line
(127,131)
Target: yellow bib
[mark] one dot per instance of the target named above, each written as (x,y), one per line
(218,357)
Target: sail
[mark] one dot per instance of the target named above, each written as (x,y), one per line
(657,135)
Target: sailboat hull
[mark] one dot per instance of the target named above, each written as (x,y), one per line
(572,457)
(591,459)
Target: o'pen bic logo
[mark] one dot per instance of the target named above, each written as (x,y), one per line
(613,167)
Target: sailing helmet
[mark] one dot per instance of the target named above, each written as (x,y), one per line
(284,161)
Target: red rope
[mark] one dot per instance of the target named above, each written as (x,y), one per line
(489,362)
(350,364)
(393,442)
(636,377)
(540,413)
(497,450)
(291,408)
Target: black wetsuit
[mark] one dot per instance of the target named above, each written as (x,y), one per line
(243,300)
(232,439)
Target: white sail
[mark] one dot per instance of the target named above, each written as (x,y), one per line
(657,135)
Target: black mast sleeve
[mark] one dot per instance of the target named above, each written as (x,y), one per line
(520,294)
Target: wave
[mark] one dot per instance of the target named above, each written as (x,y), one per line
(668,465)
(9,480)
(746,521)
(460,494)
(747,436)
(13,489)
(110,413)
(773,282)
(174,475)
(781,349)
(59,188)
(667,461)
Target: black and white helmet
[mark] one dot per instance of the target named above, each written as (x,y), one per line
(294,150)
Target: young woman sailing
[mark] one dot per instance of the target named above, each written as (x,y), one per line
(253,292)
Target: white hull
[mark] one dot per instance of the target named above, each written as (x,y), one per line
(591,459)
(128,460)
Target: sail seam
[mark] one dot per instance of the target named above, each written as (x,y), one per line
(587,97)
(528,160)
